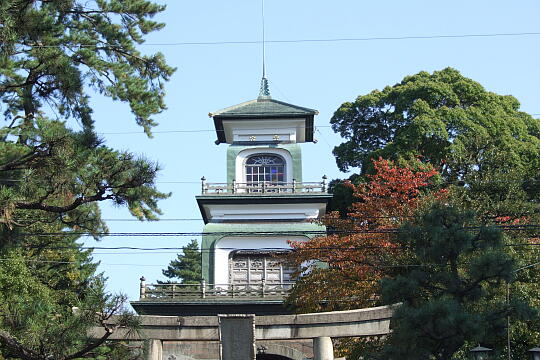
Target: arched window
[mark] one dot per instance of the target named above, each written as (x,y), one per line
(265,168)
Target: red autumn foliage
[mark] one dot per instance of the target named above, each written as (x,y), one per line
(360,251)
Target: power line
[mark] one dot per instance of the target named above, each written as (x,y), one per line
(325,248)
(295,41)
(176,234)
(191,131)
(136,220)
(135,252)
(178,182)
(445,182)
(145,252)
(266,249)
(206,130)
(273,249)
(155,132)
(72,262)
(180,131)
(267,233)
(373,265)
(157,182)
(350,219)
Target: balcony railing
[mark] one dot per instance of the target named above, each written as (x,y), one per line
(213,291)
(263,187)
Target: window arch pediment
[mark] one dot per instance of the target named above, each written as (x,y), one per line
(261,168)
(265,159)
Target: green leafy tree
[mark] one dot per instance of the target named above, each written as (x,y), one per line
(485,147)
(450,294)
(53,56)
(187,266)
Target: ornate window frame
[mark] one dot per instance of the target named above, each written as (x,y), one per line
(267,169)
(244,155)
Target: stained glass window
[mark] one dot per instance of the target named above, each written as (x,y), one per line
(265,168)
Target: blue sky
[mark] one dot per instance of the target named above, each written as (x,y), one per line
(319,75)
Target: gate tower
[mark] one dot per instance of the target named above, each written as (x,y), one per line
(250,217)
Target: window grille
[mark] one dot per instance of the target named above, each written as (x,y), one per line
(265,168)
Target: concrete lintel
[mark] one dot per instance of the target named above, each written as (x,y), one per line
(347,316)
(361,322)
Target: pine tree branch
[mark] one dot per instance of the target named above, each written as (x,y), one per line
(38,205)
(15,348)
(17,164)
(88,348)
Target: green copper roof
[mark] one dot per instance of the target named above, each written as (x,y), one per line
(263,107)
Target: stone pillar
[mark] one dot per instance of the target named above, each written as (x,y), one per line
(237,336)
(154,348)
(204,190)
(142,288)
(322,348)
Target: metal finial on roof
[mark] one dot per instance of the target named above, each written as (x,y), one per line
(264,92)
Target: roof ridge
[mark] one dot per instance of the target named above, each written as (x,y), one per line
(253,103)
(229,108)
(294,106)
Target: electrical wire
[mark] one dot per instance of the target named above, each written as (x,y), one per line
(372,265)
(295,41)
(265,233)
(268,249)
(442,183)
(72,262)
(204,130)
(193,131)
(350,219)
(136,220)
(528,247)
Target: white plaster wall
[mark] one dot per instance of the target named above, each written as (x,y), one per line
(257,211)
(230,243)
(244,154)
(287,134)
(292,129)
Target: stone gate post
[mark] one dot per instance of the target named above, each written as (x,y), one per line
(323,348)
(154,349)
(237,336)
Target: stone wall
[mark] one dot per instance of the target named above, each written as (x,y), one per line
(209,350)
(191,350)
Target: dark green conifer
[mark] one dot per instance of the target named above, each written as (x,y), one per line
(187,266)
(450,292)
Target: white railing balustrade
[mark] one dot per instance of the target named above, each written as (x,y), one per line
(263,187)
(169,291)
